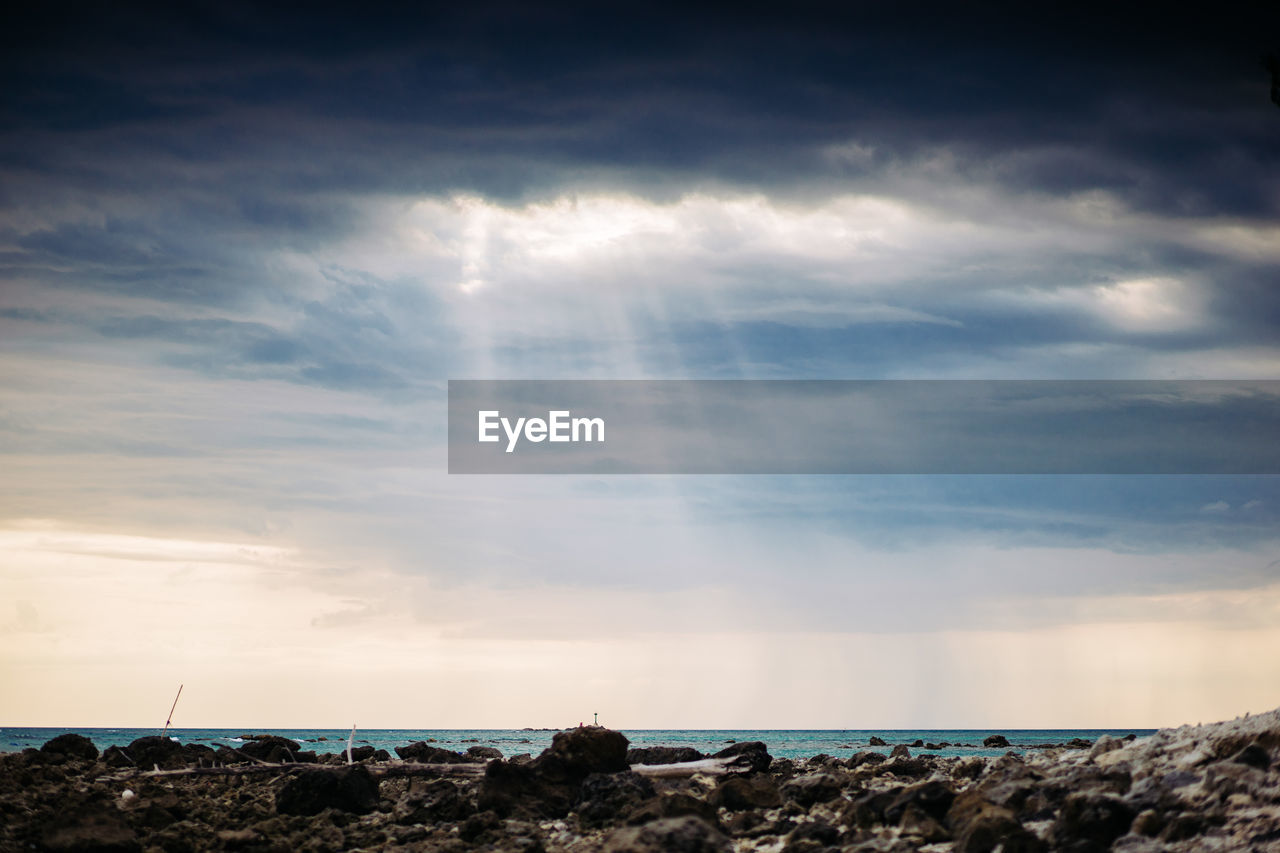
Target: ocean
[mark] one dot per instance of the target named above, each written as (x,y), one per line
(782,743)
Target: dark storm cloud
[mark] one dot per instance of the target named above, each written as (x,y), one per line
(1167,109)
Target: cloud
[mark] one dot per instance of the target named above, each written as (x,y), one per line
(241,250)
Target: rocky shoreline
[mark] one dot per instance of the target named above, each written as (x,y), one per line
(1212,787)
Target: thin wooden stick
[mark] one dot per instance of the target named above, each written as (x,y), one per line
(175,704)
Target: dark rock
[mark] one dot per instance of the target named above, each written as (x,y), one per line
(928,829)
(157,811)
(737,793)
(742,823)
(482,828)
(675,805)
(1088,777)
(222,755)
(752,754)
(910,768)
(860,758)
(585,750)
(934,746)
(1225,778)
(199,755)
(156,751)
(782,768)
(995,742)
(663,755)
(868,810)
(1020,794)
(91,824)
(484,753)
(440,800)
(114,756)
(819,831)
(606,798)
(916,744)
(931,798)
(271,748)
(422,753)
(522,758)
(670,835)
(72,746)
(524,789)
(1180,779)
(349,789)
(875,741)
(1148,823)
(979,826)
(900,751)
(239,839)
(816,788)
(360,753)
(1252,755)
(1090,822)
(1183,827)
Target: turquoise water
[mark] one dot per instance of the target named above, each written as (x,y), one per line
(783,743)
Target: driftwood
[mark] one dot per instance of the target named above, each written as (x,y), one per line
(401,768)
(709,766)
(683,770)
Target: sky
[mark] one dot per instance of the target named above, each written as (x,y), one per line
(242,251)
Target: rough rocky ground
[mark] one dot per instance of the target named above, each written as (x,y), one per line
(1213,787)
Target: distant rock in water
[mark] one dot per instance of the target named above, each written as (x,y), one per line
(271,748)
(362,753)
(425,754)
(147,753)
(900,751)
(996,742)
(484,753)
(663,755)
(71,745)
(875,741)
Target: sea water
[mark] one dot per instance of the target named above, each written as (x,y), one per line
(782,743)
